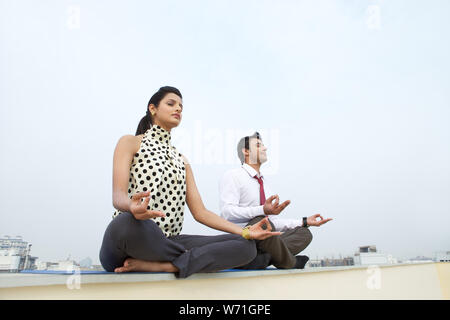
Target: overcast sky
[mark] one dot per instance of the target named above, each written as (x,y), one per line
(352,99)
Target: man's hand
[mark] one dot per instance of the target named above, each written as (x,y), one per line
(312,220)
(274,208)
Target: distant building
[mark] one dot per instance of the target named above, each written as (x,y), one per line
(368,255)
(419,259)
(63,265)
(43,265)
(15,254)
(442,256)
(326,262)
(69,265)
(314,263)
(348,261)
(97,267)
(86,263)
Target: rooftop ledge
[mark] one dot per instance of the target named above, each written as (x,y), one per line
(400,281)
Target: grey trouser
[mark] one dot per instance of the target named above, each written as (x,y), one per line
(127,237)
(279,250)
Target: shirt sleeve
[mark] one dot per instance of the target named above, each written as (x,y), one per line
(285,224)
(229,202)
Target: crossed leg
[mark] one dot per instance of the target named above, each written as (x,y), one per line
(279,250)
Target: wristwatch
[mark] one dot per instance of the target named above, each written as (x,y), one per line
(305,223)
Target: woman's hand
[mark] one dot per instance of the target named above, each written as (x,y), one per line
(258,233)
(138,207)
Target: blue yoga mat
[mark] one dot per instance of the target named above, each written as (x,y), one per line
(106,272)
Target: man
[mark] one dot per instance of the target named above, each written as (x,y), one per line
(243,201)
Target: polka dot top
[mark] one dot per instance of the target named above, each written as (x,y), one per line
(159,167)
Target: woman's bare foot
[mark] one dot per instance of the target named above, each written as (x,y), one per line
(136,265)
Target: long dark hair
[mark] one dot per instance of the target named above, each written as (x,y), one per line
(147,121)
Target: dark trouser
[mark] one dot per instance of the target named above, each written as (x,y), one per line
(279,250)
(127,237)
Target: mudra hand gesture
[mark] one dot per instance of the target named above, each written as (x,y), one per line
(258,233)
(138,207)
(274,208)
(312,220)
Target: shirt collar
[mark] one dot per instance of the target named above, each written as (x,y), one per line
(252,172)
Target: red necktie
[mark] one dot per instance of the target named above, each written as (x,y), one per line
(262,196)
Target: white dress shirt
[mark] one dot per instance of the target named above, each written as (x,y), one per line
(239,199)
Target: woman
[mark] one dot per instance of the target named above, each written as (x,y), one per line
(152,182)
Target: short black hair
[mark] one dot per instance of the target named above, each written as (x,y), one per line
(245,143)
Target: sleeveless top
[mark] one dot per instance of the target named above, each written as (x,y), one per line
(159,168)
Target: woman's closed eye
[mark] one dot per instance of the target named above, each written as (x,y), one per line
(172,103)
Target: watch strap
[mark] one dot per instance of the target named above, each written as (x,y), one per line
(305,223)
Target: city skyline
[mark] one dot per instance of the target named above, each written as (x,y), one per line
(333,260)
(338,255)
